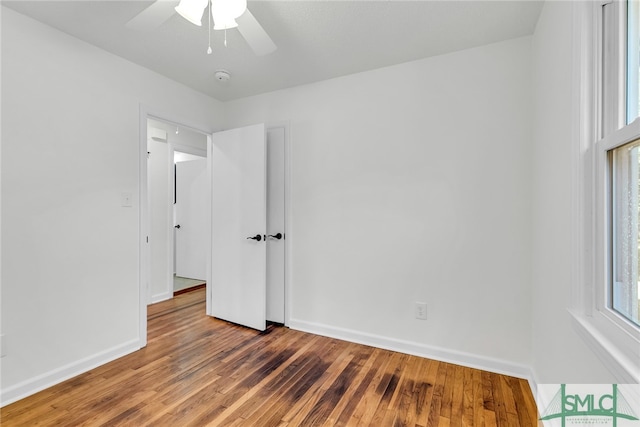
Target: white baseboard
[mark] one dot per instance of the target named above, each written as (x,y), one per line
(41,382)
(539,395)
(417,349)
(161,297)
(533,385)
(33,385)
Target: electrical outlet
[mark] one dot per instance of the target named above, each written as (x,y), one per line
(421,310)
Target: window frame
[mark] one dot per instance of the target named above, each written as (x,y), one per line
(604,215)
(612,337)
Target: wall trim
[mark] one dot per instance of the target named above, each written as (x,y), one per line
(533,385)
(40,382)
(161,297)
(469,360)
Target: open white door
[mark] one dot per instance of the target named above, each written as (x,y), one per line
(238,210)
(191,219)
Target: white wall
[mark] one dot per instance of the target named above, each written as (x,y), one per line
(559,355)
(409,183)
(412,183)
(70,148)
(160,222)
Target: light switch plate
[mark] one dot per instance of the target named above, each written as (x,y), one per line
(421,310)
(125,200)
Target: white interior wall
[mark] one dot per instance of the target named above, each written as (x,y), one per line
(70,142)
(160,222)
(412,183)
(559,355)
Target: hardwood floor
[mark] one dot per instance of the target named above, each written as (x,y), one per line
(199,371)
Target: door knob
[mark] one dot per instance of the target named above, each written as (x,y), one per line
(276,236)
(257,237)
(177,226)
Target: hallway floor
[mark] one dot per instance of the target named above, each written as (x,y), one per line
(181,283)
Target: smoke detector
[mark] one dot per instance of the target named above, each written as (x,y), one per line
(222,76)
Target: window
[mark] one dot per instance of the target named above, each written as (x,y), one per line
(620,97)
(608,180)
(624,193)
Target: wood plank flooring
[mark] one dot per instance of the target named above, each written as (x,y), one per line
(199,371)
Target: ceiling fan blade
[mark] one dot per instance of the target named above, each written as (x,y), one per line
(254,34)
(153,16)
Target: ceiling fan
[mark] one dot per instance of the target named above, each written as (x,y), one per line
(226,14)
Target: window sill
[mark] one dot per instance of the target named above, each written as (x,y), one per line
(623,362)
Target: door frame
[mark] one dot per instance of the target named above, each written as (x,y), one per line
(144,270)
(288,223)
(288,218)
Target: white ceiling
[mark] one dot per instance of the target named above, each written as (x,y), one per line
(316,40)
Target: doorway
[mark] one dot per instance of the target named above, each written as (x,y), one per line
(282,294)
(177,191)
(190,210)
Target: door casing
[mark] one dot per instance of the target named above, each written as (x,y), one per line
(145,113)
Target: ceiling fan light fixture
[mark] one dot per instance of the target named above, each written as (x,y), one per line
(224,23)
(192,10)
(225,12)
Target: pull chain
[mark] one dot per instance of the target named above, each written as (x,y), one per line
(209,49)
